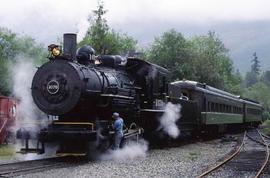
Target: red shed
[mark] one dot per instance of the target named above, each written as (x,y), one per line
(8,113)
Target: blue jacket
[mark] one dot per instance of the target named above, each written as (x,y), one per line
(118,126)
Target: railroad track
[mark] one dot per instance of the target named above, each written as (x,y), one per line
(251,155)
(26,167)
(265,136)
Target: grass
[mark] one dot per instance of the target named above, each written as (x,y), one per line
(193,155)
(6,151)
(266,127)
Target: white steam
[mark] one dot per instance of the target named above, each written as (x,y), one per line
(152,73)
(30,118)
(22,75)
(130,151)
(169,118)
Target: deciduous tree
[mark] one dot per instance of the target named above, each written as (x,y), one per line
(171,50)
(12,49)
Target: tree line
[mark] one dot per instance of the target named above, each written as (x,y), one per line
(201,58)
(14,48)
(257,85)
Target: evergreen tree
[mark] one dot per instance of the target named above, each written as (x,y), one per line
(251,79)
(97,32)
(103,39)
(255,67)
(252,76)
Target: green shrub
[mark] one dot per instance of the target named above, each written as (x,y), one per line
(193,155)
(266,127)
(266,115)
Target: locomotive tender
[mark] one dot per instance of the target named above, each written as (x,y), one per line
(83,92)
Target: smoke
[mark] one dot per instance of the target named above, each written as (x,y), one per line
(169,118)
(130,151)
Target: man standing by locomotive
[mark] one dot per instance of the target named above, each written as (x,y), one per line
(118,130)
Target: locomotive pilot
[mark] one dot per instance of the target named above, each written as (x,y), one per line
(118,130)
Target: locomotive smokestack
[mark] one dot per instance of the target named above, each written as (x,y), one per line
(70,45)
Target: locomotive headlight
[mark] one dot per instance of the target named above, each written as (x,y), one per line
(56,51)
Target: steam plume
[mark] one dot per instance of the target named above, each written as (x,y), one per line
(130,152)
(169,118)
(29,116)
(22,74)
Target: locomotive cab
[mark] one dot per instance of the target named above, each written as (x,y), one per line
(153,81)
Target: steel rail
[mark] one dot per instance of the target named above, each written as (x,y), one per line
(267,156)
(263,143)
(254,140)
(226,160)
(265,136)
(33,168)
(31,165)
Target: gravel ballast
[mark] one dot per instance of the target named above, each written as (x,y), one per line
(184,161)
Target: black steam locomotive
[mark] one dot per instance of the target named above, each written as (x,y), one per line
(84,90)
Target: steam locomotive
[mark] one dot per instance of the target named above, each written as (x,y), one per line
(83,90)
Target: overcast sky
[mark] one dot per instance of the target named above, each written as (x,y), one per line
(45,20)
